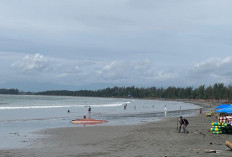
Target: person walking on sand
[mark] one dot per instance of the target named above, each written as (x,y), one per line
(200,111)
(184,123)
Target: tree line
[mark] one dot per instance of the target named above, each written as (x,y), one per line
(216,92)
(9,91)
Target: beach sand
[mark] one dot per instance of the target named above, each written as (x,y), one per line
(157,139)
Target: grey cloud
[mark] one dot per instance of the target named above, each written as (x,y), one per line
(140,73)
(125,70)
(213,65)
(103,27)
(161,76)
(210,71)
(136,42)
(29,63)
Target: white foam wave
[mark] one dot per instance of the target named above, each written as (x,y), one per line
(109,105)
(29,107)
(59,106)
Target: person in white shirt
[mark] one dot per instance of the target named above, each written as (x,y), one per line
(165,111)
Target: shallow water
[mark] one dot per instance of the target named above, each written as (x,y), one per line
(21,114)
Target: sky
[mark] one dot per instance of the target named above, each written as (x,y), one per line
(94,44)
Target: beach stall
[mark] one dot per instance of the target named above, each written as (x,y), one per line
(223,126)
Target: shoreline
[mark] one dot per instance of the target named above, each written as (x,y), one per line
(24,135)
(149,139)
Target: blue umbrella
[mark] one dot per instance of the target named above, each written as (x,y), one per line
(229,110)
(221,110)
(225,110)
(223,106)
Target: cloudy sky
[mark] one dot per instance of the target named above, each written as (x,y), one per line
(92,44)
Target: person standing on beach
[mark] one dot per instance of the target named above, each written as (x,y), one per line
(89,110)
(125,106)
(165,111)
(184,123)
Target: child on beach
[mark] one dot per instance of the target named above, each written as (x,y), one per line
(184,123)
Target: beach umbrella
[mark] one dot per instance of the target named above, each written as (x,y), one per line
(223,106)
(221,110)
(225,110)
(228,110)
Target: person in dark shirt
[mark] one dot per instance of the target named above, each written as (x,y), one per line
(184,123)
(89,110)
(125,106)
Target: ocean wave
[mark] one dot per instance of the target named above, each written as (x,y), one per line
(29,107)
(109,105)
(59,106)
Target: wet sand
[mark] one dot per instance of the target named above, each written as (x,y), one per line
(158,139)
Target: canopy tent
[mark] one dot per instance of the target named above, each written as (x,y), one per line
(223,106)
(225,110)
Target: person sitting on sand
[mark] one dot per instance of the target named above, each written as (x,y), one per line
(184,123)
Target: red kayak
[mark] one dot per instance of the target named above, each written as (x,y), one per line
(88,121)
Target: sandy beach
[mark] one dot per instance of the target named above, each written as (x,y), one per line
(152,139)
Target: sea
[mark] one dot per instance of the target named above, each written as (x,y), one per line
(23,115)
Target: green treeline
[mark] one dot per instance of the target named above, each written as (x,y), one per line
(9,91)
(218,91)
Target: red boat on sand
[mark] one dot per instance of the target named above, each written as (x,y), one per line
(88,121)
